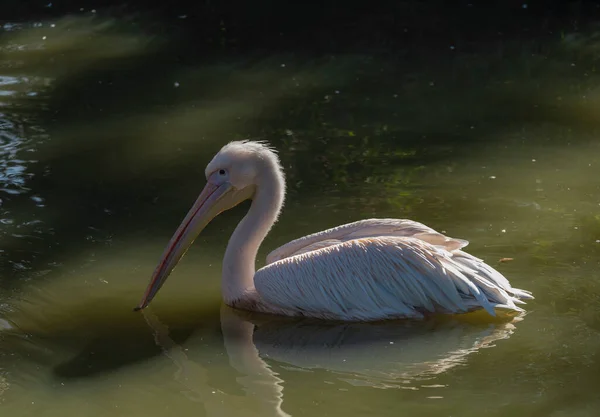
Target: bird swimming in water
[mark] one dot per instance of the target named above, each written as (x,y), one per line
(369,270)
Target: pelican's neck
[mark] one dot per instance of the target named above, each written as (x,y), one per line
(240,256)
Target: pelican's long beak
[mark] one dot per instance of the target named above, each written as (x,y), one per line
(214,199)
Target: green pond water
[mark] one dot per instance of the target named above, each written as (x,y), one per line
(104,137)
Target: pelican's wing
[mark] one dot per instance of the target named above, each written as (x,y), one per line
(365,229)
(384,277)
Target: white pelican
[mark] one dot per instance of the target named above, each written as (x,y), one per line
(364,271)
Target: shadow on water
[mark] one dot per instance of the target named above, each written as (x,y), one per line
(260,349)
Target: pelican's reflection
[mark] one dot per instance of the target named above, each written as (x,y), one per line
(381,355)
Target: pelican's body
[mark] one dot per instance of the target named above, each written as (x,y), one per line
(364,271)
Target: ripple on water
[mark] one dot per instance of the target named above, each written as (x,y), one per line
(19,141)
(13,170)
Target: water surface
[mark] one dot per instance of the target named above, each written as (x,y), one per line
(103,148)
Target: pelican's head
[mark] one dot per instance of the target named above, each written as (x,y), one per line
(235,174)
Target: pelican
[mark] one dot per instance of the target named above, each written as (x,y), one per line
(369,270)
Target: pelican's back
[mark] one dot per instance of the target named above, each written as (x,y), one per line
(362,229)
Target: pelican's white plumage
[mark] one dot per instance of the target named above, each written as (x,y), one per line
(363,271)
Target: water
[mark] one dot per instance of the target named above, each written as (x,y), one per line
(103,148)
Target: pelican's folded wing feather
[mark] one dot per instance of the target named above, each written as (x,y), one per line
(384,277)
